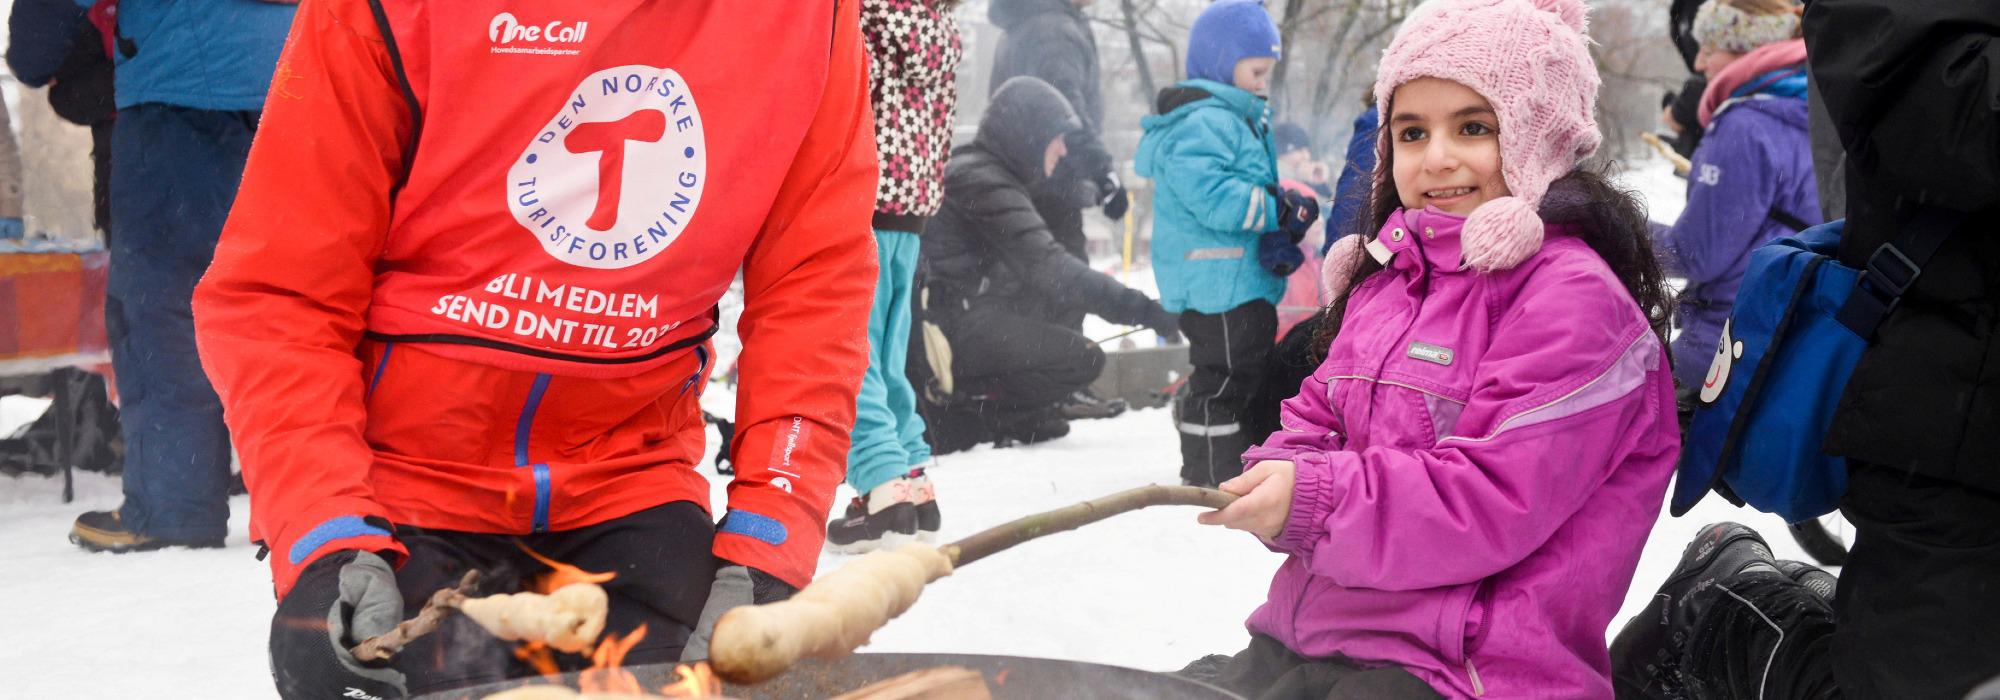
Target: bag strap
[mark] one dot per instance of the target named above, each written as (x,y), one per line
(1894,268)
(1784,217)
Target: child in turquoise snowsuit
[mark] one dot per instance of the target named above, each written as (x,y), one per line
(1215,171)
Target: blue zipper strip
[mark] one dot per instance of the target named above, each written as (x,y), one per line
(380,365)
(542,476)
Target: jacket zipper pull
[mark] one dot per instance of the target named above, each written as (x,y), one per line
(1478,689)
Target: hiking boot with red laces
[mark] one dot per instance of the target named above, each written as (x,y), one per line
(924,495)
(883,518)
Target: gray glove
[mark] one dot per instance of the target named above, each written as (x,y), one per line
(735,585)
(355,595)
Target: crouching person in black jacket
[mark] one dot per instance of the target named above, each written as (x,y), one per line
(995,278)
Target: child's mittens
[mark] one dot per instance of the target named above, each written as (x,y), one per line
(1279,253)
(1296,213)
(1501,233)
(1336,273)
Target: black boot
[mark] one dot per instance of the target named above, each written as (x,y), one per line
(1815,579)
(1082,404)
(105,531)
(1646,656)
(1028,427)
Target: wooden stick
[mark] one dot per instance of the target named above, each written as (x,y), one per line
(1681,165)
(384,646)
(995,539)
(836,613)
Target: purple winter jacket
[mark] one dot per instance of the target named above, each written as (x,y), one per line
(1480,460)
(1755,159)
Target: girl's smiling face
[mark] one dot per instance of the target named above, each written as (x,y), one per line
(1444,145)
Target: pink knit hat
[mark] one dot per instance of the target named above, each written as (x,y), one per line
(1531,60)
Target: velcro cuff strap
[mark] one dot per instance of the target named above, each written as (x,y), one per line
(325,533)
(762,528)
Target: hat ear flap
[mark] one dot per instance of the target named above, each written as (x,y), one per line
(1336,273)
(1502,233)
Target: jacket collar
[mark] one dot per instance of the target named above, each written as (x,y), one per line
(1426,239)
(1194,91)
(1767,58)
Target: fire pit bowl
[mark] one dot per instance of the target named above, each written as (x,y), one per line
(1006,676)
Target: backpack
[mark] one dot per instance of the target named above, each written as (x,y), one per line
(1801,322)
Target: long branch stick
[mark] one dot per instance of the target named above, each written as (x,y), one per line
(994,539)
(1681,165)
(384,646)
(837,613)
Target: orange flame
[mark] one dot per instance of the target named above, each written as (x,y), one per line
(561,574)
(695,681)
(606,673)
(539,656)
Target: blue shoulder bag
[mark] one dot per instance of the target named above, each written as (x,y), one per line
(1800,323)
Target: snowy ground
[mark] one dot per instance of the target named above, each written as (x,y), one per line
(1149,590)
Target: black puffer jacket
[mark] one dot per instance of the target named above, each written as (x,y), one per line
(1916,101)
(988,245)
(1051,40)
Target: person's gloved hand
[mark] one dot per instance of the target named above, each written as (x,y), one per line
(339,600)
(1166,323)
(1296,213)
(735,585)
(1116,201)
(1278,251)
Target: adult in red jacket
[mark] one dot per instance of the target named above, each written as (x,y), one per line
(461,310)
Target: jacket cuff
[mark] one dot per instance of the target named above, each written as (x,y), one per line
(334,526)
(1311,497)
(763,543)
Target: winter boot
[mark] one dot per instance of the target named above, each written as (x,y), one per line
(105,531)
(1082,404)
(924,495)
(883,518)
(1646,656)
(1815,579)
(1028,427)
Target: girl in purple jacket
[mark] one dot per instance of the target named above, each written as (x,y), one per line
(1465,483)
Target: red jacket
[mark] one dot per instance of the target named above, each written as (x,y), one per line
(529,215)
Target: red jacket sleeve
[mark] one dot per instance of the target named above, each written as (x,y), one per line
(809,280)
(280,312)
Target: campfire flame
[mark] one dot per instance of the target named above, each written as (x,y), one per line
(561,574)
(607,672)
(695,681)
(539,656)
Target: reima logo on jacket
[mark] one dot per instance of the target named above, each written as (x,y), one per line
(505,29)
(617,173)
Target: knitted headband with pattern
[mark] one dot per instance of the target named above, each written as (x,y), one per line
(1723,26)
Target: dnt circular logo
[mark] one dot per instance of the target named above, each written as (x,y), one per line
(617,173)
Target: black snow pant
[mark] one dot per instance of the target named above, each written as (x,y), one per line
(1269,671)
(661,557)
(1010,373)
(1287,367)
(1916,613)
(1228,351)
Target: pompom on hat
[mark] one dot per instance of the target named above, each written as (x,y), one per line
(1531,60)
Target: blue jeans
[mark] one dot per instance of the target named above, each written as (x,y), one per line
(888,433)
(177,173)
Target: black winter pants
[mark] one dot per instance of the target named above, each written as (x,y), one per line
(1919,601)
(1916,613)
(1016,362)
(1269,671)
(661,558)
(1229,351)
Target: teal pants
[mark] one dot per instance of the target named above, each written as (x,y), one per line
(888,433)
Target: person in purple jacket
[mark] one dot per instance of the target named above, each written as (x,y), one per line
(1752,176)
(1465,484)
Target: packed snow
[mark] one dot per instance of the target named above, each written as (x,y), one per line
(1150,590)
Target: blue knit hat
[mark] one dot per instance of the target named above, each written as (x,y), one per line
(1227,32)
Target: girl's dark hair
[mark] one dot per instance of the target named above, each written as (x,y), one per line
(1611,219)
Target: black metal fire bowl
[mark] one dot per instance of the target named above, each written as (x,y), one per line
(1008,677)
